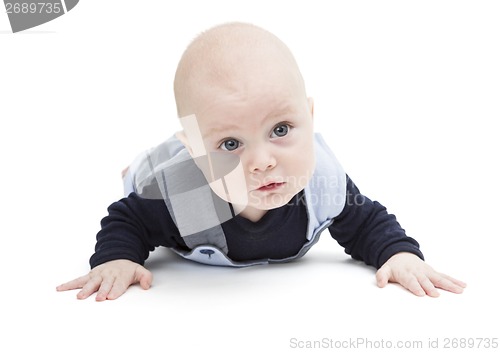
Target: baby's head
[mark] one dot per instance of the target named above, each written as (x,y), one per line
(245,90)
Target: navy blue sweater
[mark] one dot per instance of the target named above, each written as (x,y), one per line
(135,226)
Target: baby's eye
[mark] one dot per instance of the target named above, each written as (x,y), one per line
(230,145)
(280,131)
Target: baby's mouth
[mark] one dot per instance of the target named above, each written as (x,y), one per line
(271,186)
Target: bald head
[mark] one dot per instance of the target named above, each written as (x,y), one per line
(233,56)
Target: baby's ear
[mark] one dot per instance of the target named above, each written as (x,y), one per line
(310,101)
(181,135)
(191,137)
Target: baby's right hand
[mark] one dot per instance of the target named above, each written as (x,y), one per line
(110,280)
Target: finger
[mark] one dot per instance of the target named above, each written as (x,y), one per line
(428,286)
(104,289)
(455,281)
(447,283)
(119,287)
(144,277)
(411,284)
(383,275)
(90,287)
(74,284)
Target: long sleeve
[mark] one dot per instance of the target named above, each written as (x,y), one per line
(132,229)
(368,232)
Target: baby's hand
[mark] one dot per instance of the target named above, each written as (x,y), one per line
(110,280)
(415,275)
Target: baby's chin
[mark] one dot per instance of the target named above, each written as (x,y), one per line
(271,201)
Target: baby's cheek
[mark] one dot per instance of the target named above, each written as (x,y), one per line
(303,166)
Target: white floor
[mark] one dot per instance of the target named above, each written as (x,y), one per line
(324,298)
(406,95)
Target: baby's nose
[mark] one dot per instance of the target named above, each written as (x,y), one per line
(261,159)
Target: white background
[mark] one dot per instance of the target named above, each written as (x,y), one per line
(406,95)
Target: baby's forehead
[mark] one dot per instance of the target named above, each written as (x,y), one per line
(276,99)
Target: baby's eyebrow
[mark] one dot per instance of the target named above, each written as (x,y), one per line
(220,129)
(285,110)
(225,128)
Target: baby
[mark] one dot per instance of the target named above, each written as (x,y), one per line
(246,181)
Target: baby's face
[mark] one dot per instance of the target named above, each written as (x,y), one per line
(269,126)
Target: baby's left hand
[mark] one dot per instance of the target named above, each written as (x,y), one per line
(415,275)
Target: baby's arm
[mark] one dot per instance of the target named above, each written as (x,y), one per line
(133,228)
(369,233)
(110,280)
